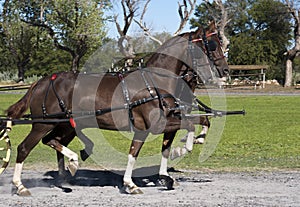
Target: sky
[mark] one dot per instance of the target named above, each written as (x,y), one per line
(162,15)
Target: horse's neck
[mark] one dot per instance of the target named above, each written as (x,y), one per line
(170,64)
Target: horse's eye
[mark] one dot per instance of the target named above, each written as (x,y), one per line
(212,45)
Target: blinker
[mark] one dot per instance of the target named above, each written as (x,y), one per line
(212,45)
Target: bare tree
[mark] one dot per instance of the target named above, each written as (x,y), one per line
(124,42)
(185,11)
(143,26)
(130,9)
(222,20)
(295,51)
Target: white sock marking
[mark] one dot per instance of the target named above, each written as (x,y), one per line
(128,173)
(69,153)
(17,174)
(190,141)
(163,166)
(204,130)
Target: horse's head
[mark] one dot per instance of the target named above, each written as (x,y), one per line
(207,41)
(199,51)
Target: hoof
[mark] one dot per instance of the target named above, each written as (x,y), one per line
(22,191)
(73,167)
(175,184)
(167,181)
(84,155)
(199,141)
(131,189)
(137,190)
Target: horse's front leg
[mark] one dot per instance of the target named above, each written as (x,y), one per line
(188,147)
(205,126)
(205,123)
(164,176)
(135,147)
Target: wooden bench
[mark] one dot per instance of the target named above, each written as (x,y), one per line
(256,70)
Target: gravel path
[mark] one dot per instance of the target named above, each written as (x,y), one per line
(100,188)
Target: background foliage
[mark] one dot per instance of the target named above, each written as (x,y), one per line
(260,31)
(42,37)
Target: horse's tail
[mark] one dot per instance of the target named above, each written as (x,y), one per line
(18,109)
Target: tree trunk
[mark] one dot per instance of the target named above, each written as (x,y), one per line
(21,73)
(21,65)
(288,73)
(295,51)
(75,63)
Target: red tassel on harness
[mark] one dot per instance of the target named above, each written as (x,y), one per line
(72,122)
(53,77)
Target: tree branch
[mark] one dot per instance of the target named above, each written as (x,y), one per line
(185,15)
(52,35)
(222,24)
(129,9)
(143,25)
(295,51)
(131,6)
(147,32)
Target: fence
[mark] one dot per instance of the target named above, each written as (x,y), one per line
(255,70)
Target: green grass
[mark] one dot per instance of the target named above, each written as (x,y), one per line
(268,137)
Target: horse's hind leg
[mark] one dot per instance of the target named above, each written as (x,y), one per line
(73,157)
(65,140)
(37,132)
(136,145)
(64,134)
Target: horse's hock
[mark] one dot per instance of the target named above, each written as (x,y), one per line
(242,75)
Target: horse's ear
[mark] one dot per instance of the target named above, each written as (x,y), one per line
(212,26)
(198,32)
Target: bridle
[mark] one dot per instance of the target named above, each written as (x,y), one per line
(206,48)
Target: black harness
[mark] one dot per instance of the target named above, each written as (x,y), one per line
(61,103)
(67,114)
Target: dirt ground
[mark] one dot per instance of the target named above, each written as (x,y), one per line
(102,188)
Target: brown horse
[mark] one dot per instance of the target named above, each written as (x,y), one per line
(211,44)
(143,101)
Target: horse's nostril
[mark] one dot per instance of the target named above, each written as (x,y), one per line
(226,71)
